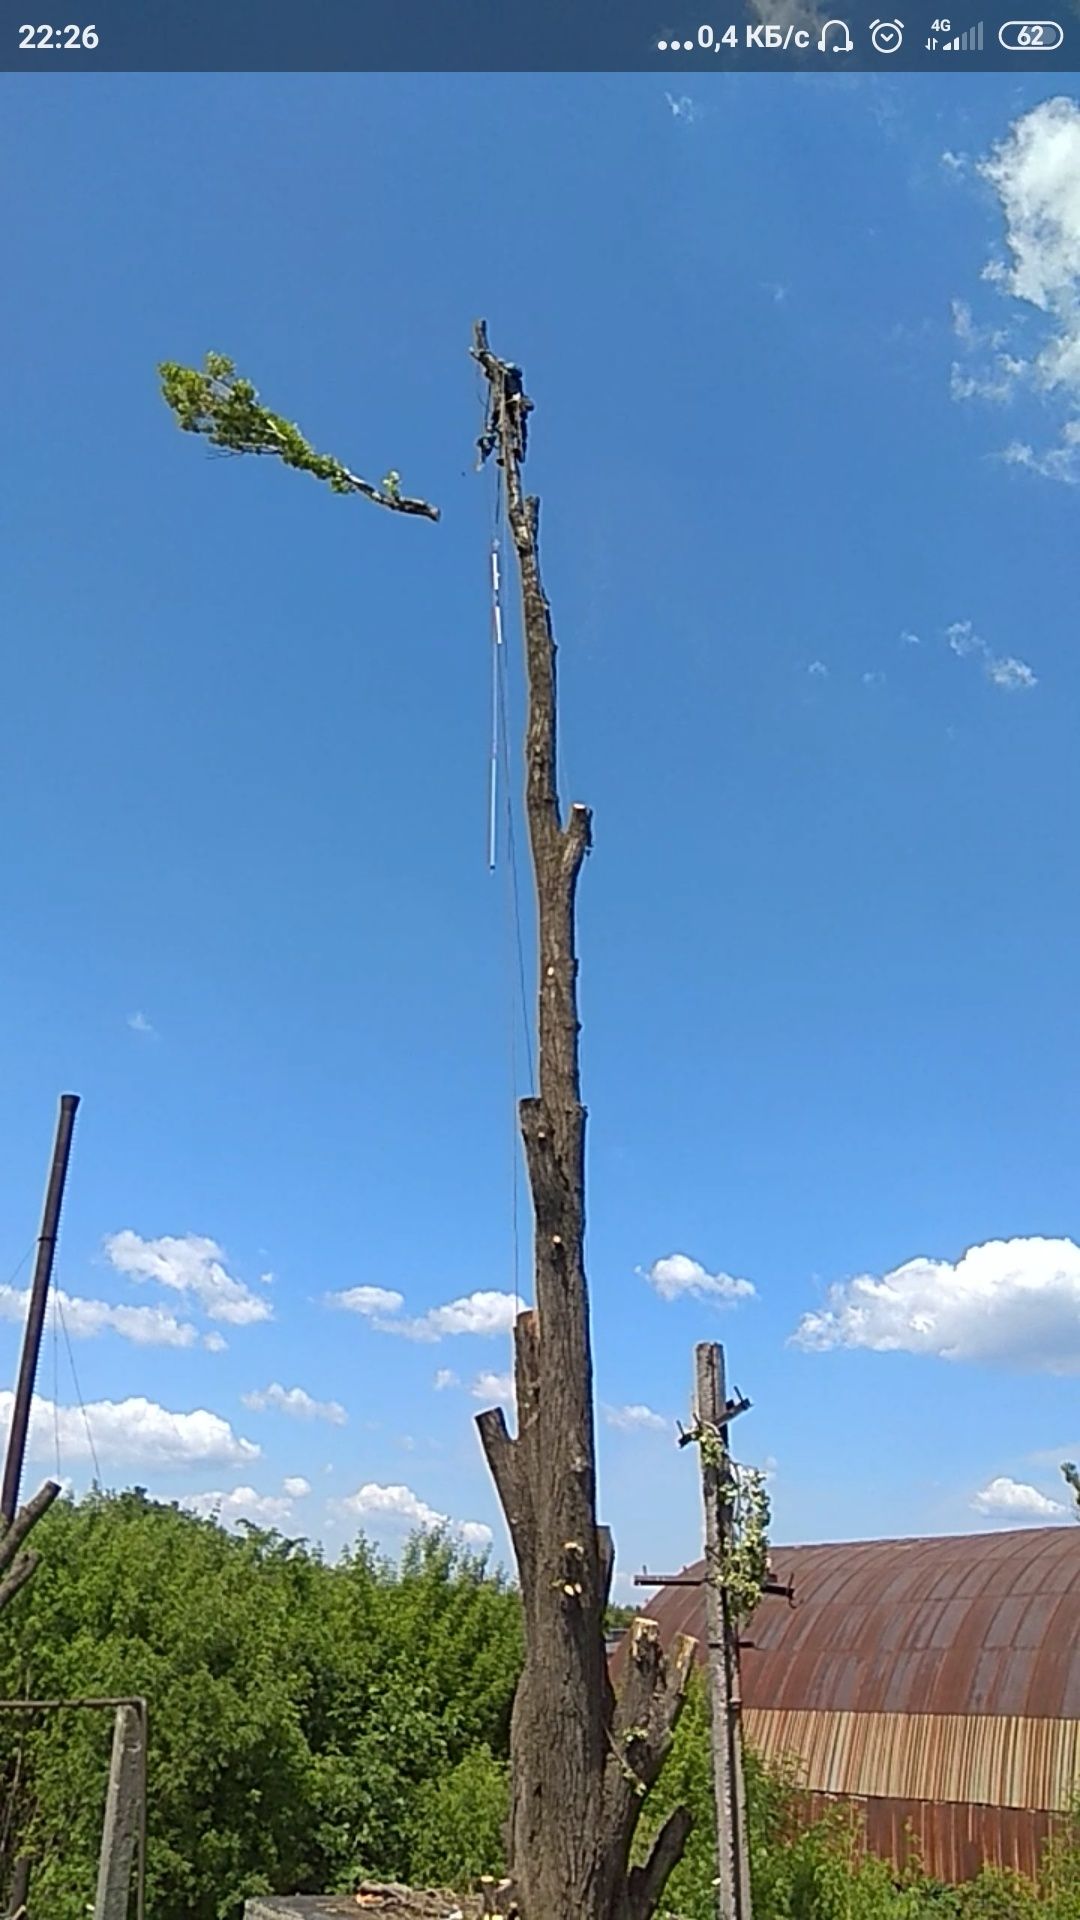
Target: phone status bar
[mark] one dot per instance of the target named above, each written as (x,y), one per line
(543,36)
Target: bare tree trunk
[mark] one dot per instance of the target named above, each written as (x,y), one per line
(580,1761)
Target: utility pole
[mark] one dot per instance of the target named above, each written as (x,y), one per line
(711,1416)
(35,1319)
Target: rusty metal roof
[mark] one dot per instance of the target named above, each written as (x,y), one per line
(972,1624)
(975,1759)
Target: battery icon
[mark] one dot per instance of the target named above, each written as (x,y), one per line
(1030,36)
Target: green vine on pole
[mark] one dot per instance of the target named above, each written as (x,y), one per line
(745,1565)
(226,410)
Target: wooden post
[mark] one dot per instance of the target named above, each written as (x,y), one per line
(733,1885)
(20,1889)
(35,1318)
(122,1816)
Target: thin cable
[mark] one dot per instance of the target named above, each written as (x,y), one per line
(517,1001)
(16,1270)
(78,1393)
(496,662)
(515,890)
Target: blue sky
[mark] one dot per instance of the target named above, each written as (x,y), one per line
(806,360)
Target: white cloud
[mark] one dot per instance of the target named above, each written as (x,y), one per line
(1035,173)
(243,1503)
(139,1023)
(818,670)
(873,679)
(676,1276)
(910,639)
(296,1486)
(483,1313)
(636,1419)
(955,162)
(296,1402)
(497,1388)
(446,1377)
(133,1433)
(400,1506)
(144,1326)
(371,1302)
(1003,670)
(392,1503)
(214,1342)
(1007,1302)
(1015,1500)
(190,1264)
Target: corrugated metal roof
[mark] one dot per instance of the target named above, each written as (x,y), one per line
(983,1759)
(953,1841)
(973,1624)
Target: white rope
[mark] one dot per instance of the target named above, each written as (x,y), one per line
(496,671)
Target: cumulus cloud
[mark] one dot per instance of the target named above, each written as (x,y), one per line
(133,1433)
(483,1313)
(190,1264)
(818,670)
(636,1419)
(495,1388)
(1008,1302)
(371,1302)
(242,1503)
(295,1486)
(1007,1499)
(1003,670)
(139,1023)
(400,1506)
(296,1402)
(144,1326)
(475,1533)
(445,1377)
(676,1277)
(1035,173)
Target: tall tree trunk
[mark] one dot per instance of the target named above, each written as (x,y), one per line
(580,1760)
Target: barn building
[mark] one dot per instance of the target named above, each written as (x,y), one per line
(933,1683)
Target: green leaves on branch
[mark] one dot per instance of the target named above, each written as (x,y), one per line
(745,1567)
(227,411)
(746,1561)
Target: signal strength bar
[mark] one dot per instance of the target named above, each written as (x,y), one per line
(969,42)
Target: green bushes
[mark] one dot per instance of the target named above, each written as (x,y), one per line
(307,1722)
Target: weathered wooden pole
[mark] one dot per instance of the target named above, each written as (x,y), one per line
(710,1418)
(123,1815)
(35,1318)
(19,1896)
(580,1760)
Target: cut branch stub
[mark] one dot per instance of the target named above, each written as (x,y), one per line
(17,1567)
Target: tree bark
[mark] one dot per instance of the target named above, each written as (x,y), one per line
(580,1761)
